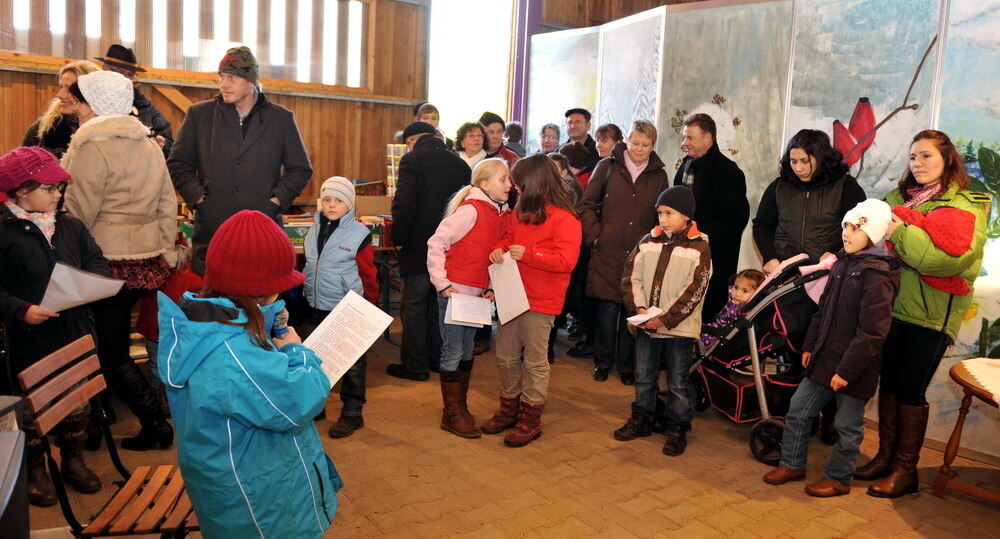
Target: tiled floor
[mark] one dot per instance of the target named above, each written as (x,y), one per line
(407,478)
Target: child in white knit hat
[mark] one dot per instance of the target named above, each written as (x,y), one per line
(340,258)
(842,350)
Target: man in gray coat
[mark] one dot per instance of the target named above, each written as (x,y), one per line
(235,152)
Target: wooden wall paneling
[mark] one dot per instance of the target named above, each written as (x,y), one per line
(175,35)
(7,21)
(40,37)
(263,33)
(398,71)
(316,67)
(75,45)
(236,21)
(564,13)
(110,25)
(143,45)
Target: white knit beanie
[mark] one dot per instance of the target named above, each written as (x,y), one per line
(872,216)
(340,187)
(108,93)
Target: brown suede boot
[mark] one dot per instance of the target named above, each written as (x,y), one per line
(529,425)
(453,419)
(41,491)
(888,422)
(904,479)
(464,375)
(504,418)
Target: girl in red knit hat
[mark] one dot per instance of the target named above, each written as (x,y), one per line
(243,401)
(33,237)
(544,237)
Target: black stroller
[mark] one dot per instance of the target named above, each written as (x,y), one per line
(752,379)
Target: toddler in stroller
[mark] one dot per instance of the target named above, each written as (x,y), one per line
(749,368)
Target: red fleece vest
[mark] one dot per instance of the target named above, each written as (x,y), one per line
(467,261)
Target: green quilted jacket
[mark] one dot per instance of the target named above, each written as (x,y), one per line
(919,303)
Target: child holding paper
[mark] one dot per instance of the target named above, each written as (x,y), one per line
(669,269)
(458,262)
(242,401)
(339,258)
(34,237)
(544,239)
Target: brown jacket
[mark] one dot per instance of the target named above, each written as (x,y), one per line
(121,189)
(615,213)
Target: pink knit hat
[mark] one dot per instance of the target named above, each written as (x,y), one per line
(250,255)
(29,163)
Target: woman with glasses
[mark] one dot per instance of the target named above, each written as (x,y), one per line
(549,138)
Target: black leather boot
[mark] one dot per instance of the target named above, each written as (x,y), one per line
(142,400)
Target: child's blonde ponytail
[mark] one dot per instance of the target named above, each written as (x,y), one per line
(483,171)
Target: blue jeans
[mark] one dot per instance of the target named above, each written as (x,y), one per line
(457,342)
(674,354)
(849,422)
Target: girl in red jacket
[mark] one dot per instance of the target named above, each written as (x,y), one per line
(544,238)
(458,262)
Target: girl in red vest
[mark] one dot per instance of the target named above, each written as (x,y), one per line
(544,238)
(457,261)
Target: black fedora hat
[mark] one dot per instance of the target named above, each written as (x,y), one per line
(121,56)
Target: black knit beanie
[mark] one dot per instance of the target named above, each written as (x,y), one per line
(679,198)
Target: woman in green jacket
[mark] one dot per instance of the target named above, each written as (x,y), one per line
(938,231)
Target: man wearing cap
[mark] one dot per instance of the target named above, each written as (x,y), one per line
(494,145)
(429,174)
(237,151)
(578,129)
(121,59)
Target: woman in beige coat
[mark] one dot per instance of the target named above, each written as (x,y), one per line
(121,190)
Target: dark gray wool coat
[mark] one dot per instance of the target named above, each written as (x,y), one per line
(236,168)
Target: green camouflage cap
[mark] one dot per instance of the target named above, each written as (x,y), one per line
(240,61)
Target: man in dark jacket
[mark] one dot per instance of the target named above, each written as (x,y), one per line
(578,129)
(236,152)
(720,191)
(428,176)
(121,59)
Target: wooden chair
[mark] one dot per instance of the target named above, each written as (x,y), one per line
(151,500)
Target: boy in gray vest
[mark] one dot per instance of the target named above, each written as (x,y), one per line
(340,258)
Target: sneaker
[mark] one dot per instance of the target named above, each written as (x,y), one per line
(346,425)
(676,440)
(399,371)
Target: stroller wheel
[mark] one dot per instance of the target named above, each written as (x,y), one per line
(700,392)
(765,441)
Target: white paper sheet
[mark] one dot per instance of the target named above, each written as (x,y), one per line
(346,333)
(639,319)
(508,288)
(71,287)
(469,311)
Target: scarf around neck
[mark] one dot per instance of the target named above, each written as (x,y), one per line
(919,194)
(45,221)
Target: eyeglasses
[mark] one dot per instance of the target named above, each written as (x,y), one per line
(55,187)
(550,137)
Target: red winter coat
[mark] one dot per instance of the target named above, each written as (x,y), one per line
(551,251)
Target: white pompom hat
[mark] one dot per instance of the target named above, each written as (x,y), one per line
(872,216)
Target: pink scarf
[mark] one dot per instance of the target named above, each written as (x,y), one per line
(919,194)
(45,221)
(634,170)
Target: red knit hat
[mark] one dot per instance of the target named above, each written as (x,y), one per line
(29,163)
(251,256)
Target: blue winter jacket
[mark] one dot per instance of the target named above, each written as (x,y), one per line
(332,273)
(247,447)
